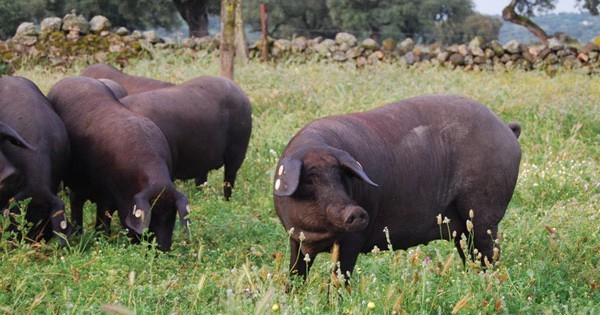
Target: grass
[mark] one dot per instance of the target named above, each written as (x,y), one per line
(237,257)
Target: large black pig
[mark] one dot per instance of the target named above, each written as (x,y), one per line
(132,83)
(346,178)
(38,171)
(121,161)
(207,122)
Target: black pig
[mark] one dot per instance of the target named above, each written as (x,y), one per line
(346,178)
(121,161)
(38,171)
(207,122)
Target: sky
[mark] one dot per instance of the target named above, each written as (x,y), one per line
(494,7)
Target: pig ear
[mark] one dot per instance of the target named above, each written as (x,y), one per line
(350,163)
(138,218)
(7,133)
(287,176)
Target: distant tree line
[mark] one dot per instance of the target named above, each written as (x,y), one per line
(423,20)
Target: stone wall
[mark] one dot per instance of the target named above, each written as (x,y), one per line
(59,42)
(475,55)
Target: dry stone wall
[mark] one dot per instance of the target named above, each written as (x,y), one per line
(61,41)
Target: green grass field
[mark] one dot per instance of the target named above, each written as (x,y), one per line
(236,260)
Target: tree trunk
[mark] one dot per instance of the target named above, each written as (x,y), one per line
(195,14)
(509,15)
(227,37)
(241,45)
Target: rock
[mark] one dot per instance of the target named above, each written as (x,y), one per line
(26,29)
(26,34)
(522,64)
(452,48)
(442,56)
(476,42)
(136,34)
(583,56)
(50,25)
(75,23)
(369,44)
(325,48)
(151,36)
(345,38)
(355,52)
(315,41)
(457,59)
(299,44)
(571,62)
(551,59)
(406,45)
(389,44)
(555,44)
(512,47)
(479,60)
(410,58)
(375,58)
(462,49)
(477,52)
(497,48)
(343,47)
(421,52)
(339,56)
(564,53)
(534,51)
(99,23)
(361,62)
(122,31)
(281,46)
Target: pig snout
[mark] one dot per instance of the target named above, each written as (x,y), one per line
(354,218)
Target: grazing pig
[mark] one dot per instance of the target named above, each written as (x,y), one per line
(207,122)
(36,171)
(346,178)
(132,84)
(121,161)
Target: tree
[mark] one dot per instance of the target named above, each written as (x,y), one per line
(140,14)
(289,18)
(233,41)
(425,20)
(13,13)
(519,12)
(195,14)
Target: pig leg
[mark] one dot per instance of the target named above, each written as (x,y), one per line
(103,217)
(233,159)
(349,249)
(200,180)
(298,266)
(76,211)
(482,230)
